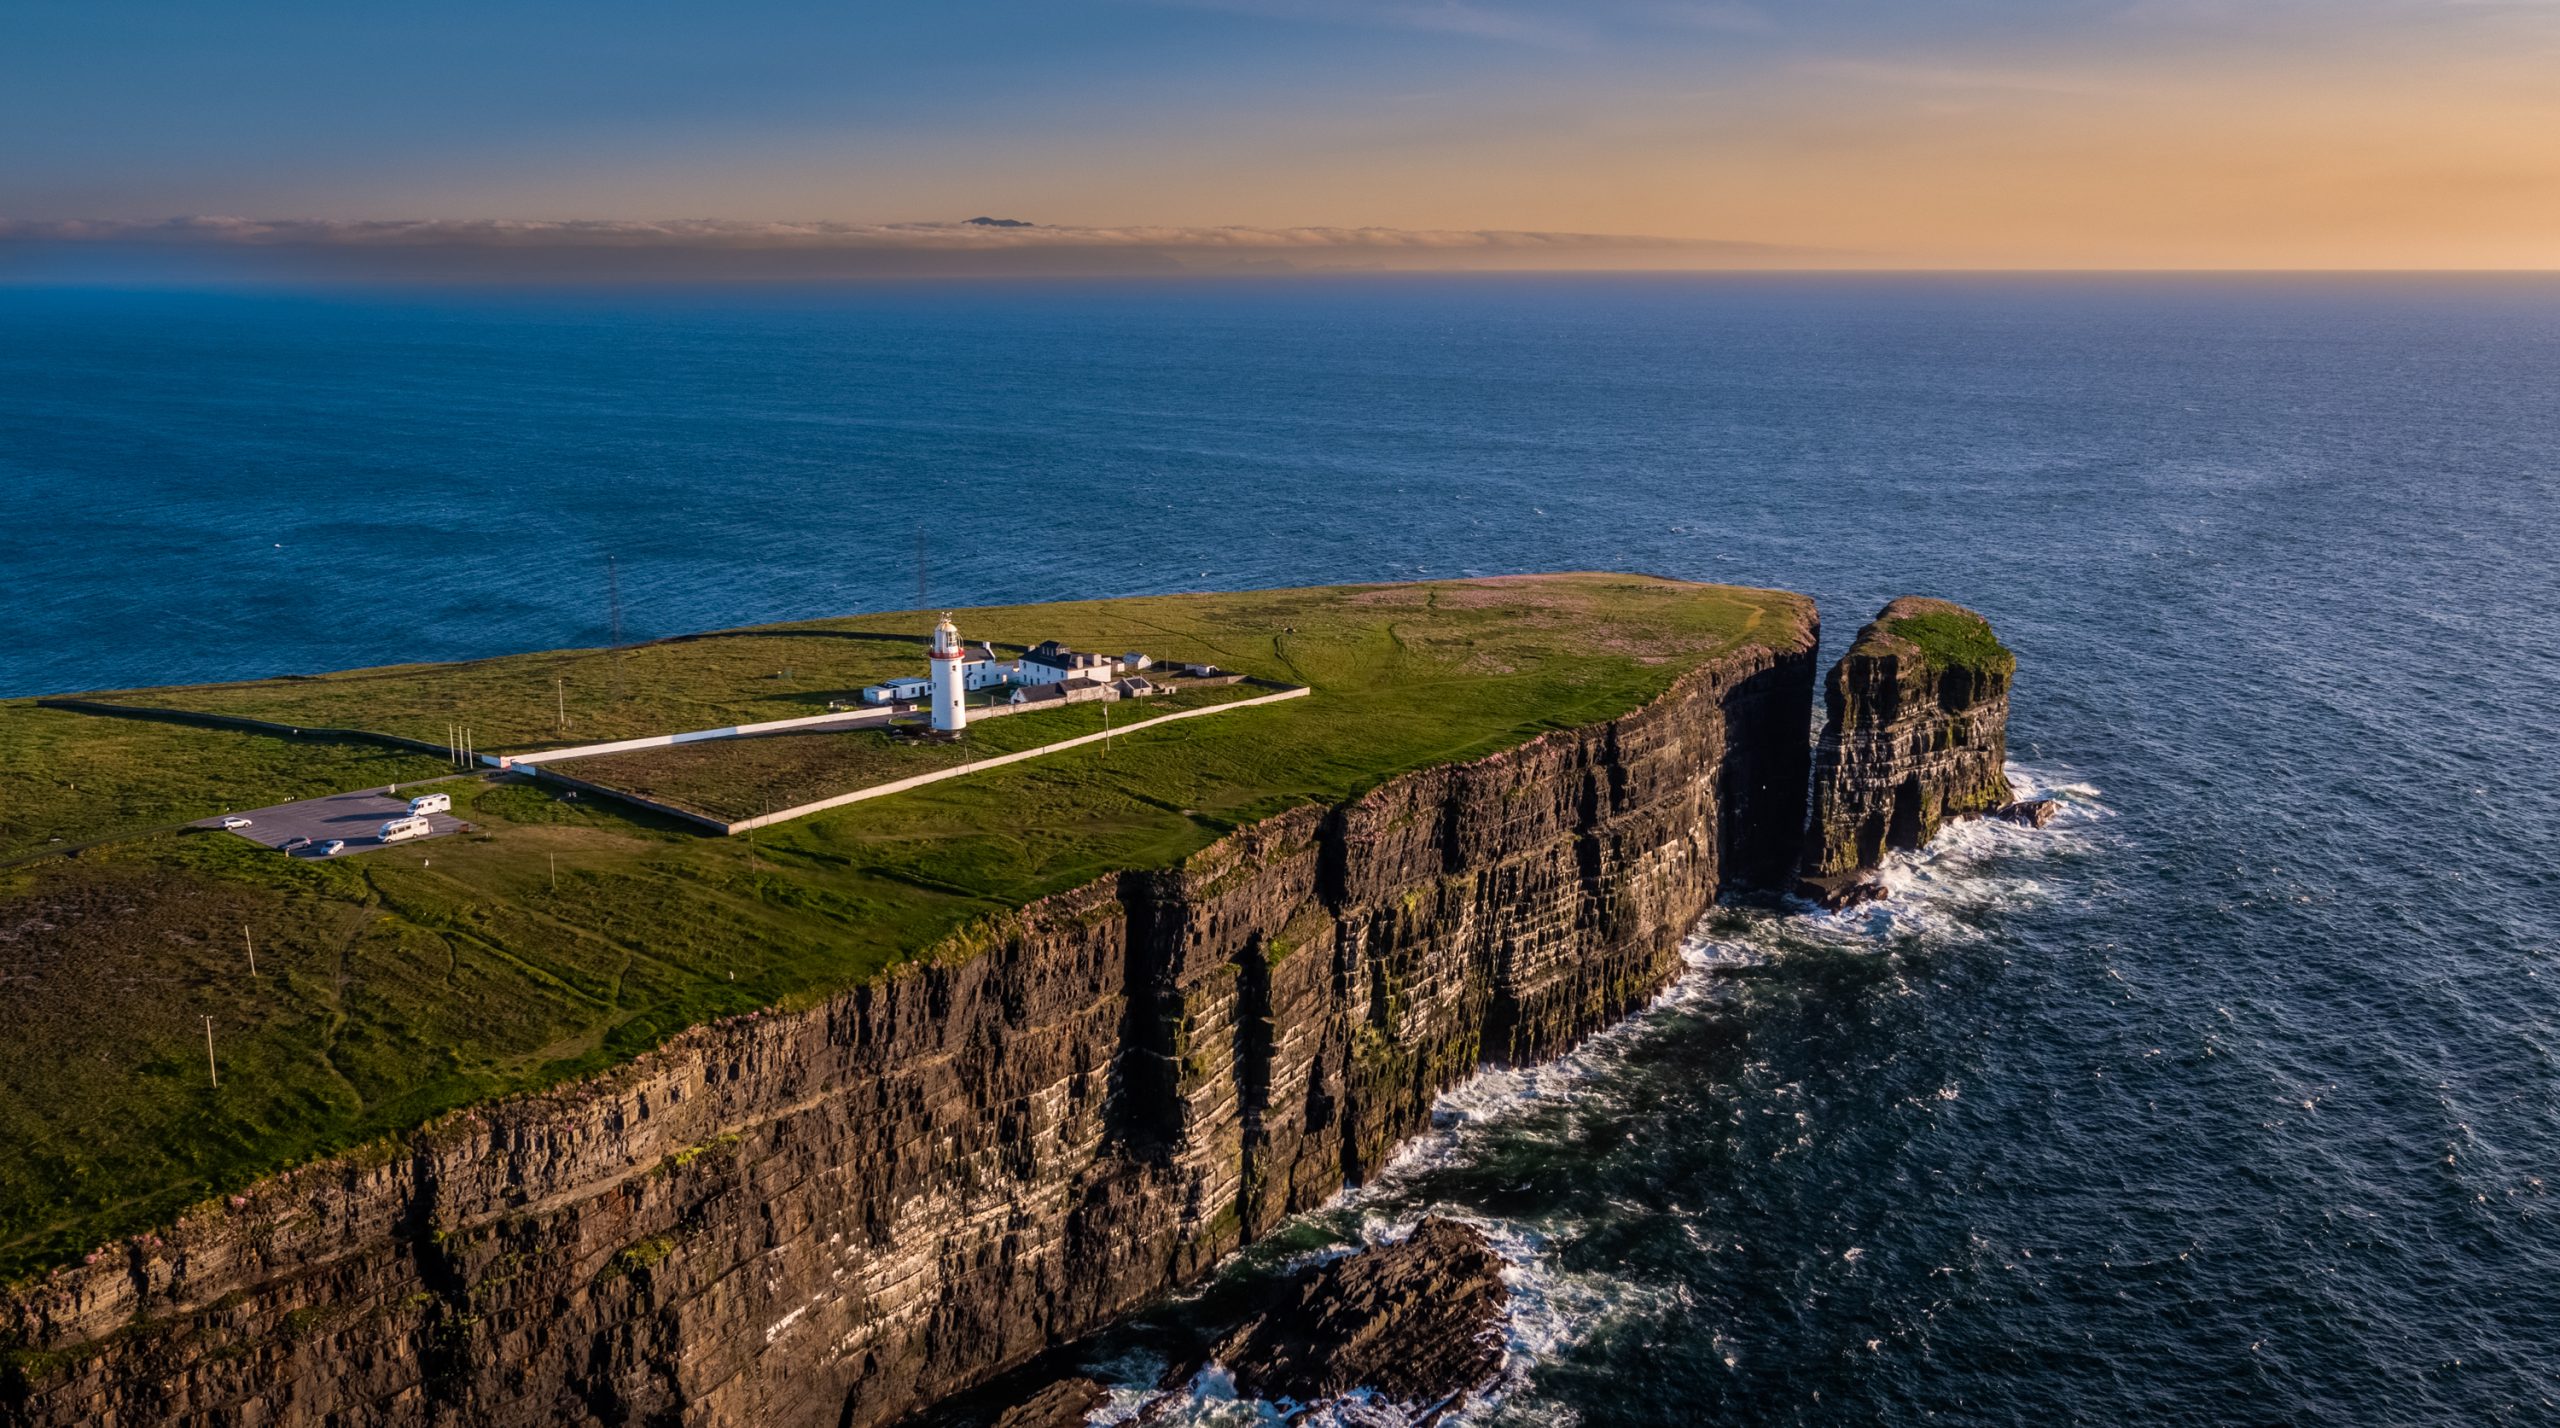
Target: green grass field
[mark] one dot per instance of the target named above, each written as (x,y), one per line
(563,935)
(531,701)
(731,779)
(67,778)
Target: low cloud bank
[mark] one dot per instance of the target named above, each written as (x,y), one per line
(716,249)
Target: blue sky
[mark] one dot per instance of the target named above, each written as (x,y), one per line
(1964,132)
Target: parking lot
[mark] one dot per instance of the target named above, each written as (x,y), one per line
(351,817)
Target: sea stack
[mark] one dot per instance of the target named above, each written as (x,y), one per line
(1916,732)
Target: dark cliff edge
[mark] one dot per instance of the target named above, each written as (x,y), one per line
(834,1216)
(1915,733)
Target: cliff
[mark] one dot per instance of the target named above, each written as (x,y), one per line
(834,1215)
(1915,732)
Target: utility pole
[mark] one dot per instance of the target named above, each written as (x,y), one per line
(613,601)
(560,701)
(210,1068)
(253,949)
(555,874)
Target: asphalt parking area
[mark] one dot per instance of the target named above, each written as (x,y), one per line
(352,817)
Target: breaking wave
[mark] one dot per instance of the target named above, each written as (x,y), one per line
(1937,896)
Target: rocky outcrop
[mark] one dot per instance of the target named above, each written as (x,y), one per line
(1417,1322)
(1915,732)
(2029,813)
(831,1216)
(1064,1404)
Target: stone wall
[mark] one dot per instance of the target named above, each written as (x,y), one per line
(831,1217)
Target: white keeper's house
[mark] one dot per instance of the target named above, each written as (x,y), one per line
(970,669)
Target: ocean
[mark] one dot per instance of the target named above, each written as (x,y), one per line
(2231,1098)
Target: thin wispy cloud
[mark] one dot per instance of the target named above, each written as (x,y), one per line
(1444,17)
(1907,74)
(732,248)
(1589,25)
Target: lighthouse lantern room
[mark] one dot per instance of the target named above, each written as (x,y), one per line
(950,709)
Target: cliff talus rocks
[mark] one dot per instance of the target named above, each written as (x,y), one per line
(1915,733)
(1418,1322)
(834,1215)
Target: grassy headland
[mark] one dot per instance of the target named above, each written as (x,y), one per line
(564,935)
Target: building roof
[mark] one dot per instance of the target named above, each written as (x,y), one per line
(1058,656)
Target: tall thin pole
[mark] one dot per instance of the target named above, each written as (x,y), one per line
(613,598)
(209,1067)
(560,701)
(253,949)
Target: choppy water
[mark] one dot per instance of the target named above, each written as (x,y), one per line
(2233,1098)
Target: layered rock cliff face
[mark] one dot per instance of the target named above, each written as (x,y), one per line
(830,1217)
(1916,732)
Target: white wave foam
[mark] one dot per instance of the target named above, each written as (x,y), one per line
(1971,865)
(1974,865)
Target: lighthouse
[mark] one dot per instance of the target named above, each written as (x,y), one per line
(950,708)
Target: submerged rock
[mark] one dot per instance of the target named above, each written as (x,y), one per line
(1916,733)
(2033,812)
(1417,1322)
(1838,890)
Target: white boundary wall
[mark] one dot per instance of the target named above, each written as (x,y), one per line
(691,736)
(883,790)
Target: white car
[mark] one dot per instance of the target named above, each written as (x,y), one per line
(235,822)
(333,847)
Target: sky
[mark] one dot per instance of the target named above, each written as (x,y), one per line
(774,138)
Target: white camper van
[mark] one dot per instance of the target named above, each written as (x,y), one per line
(427,803)
(412,826)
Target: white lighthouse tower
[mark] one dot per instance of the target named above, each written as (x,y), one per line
(950,709)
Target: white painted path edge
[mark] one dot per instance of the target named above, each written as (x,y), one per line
(883,790)
(851,718)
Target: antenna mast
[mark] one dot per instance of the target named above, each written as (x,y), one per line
(613,608)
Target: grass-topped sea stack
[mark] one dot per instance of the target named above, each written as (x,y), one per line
(1916,733)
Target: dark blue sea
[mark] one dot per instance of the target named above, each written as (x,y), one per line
(2232,1098)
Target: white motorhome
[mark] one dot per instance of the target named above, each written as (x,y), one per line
(427,803)
(412,826)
